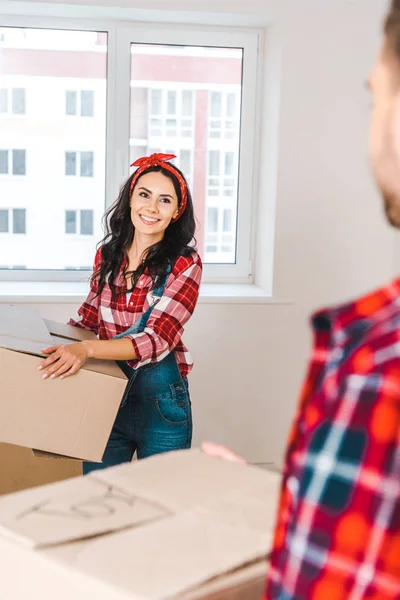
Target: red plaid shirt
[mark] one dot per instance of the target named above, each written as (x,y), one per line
(338,527)
(108,317)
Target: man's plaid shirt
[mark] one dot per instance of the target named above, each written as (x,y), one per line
(338,527)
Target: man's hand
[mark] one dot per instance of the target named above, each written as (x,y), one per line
(224,452)
(63,361)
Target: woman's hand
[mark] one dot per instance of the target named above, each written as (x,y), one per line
(218,451)
(63,361)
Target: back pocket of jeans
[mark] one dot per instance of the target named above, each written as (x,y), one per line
(174,406)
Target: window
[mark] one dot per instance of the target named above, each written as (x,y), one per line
(171,113)
(4,221)
(181,90)
(12,162)
(12,101)
(220,232)
(85,160)
(79,221)
(19,220)
(224,115)
(18,101)
(86,164)
(79,103)
(13,220)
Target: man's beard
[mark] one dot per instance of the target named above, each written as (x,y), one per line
(392,208)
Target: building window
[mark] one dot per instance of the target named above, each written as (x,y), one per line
(171,113)
(79,222)
(79,103)
(220,234)
(19,225)
(4,221)
(85,161)
(222,173)
(224,115)
(12,101)
(13,162)
(13,220)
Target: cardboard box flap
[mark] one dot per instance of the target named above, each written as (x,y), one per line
(166,478)
(165,558)
(71,510)
(23,330)
(68,331)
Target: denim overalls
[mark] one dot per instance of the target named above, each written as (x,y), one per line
(155,413)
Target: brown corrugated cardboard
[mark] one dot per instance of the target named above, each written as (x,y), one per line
(21,470)
(71,417)
(179,525)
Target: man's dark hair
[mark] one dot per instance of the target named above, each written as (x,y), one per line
(392,28)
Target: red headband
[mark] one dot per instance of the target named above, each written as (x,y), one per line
(160,160)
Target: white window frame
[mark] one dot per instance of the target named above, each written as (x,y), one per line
(120,36)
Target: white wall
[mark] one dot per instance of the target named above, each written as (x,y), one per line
(331,239)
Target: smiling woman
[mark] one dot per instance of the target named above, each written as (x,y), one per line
(144,288)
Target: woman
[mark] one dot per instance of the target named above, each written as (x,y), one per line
(144,288)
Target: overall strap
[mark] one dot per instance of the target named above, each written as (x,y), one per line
(138,327)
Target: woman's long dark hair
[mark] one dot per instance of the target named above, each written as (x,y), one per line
(178,239)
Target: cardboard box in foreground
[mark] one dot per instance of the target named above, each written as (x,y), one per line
(71,417)
(179,525)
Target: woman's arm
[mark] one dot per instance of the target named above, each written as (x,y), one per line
(162,333)
(66,360)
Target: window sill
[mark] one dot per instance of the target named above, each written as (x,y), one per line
(67,292)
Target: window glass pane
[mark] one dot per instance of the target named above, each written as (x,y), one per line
(137,152)
(3,162)
(86,222)
(70,163)
(189,102)
(86,164)
(49,74)
(70,221)
(87,103)
(227,224)
(214,162)
(171,103)
(216,104)
(18,101)
(70,103)
(156,102)
(231,105)
(19,220)
(139,113)
(212,220)
(3,101)
(229,163)
(18,158)
(185,163)
(3,221)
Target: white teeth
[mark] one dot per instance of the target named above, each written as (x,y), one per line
(149,219)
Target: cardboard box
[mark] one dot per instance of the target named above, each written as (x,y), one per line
(71,417)
(178,525)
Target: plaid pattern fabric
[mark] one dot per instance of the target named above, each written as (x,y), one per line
(338,528)
(108,317)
